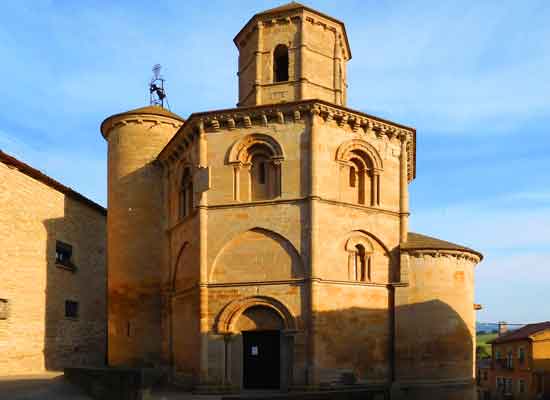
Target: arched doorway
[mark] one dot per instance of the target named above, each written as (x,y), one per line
(261,329)
(259,336)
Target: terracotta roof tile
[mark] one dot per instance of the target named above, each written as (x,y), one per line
(417,241)
(521,333)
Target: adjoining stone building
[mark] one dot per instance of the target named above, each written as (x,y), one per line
(53,277)
(267,245)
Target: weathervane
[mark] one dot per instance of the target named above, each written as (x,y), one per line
(157,94)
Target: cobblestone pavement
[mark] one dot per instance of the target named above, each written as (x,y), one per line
(48,386)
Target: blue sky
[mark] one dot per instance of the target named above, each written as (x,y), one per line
(472,77)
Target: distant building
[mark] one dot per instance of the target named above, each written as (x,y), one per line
(520,364)
(483,366)
(52,273)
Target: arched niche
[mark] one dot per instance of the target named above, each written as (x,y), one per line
(255,313)
(257,255)
(183,275)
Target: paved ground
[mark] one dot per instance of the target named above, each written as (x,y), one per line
(52,386)
(48,386)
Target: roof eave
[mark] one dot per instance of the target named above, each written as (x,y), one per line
(301,7)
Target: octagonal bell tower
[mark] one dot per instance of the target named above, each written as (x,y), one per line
(292,53)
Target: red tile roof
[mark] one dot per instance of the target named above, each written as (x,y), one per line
(416,241)
(521,333)
(45,179)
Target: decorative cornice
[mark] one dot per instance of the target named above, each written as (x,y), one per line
(282,113)
(458,254)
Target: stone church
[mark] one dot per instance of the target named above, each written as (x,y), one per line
(267,245)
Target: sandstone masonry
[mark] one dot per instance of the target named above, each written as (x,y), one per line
(36,214)
(267,246)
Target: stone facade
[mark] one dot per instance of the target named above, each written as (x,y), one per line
(288,213)
(35,213)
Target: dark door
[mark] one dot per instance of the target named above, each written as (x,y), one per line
(261,361)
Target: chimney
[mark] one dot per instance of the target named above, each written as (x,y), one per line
(502,328)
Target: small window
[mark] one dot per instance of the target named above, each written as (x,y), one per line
(4,310)
(71,309)
(186,195)
(521,355)
(64,254)
(500,384)
(509,386)
(521,386)
(280,63)
(510,360)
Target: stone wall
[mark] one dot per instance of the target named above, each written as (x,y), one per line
(136,249)
(36,334)
(317,55)
(435,320)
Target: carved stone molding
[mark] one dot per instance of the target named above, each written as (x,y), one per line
(229,316)
(441,253)
(239,151)
(295,112)
(345,150)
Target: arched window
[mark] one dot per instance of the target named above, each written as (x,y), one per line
(280,63)
(360,171)
(262,173)
(360,253)
(186,194)
(256,161)
(359,168)
(360,263)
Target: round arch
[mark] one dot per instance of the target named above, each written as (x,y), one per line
(227,319)
(183,250)
(239,152)
(345,152)
(362,233)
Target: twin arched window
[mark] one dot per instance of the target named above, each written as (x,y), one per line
(360,253)
(360,167)
(280,63)
(186,193)
(361,178)
(256,161)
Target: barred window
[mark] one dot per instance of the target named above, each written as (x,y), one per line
(71,309)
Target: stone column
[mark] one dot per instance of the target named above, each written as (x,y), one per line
(336,70)
(313,223)
(301,76)
(377,187)
(203,237)
(277,180)
(404,191)
(236,182)
(248,171)
(259,52)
